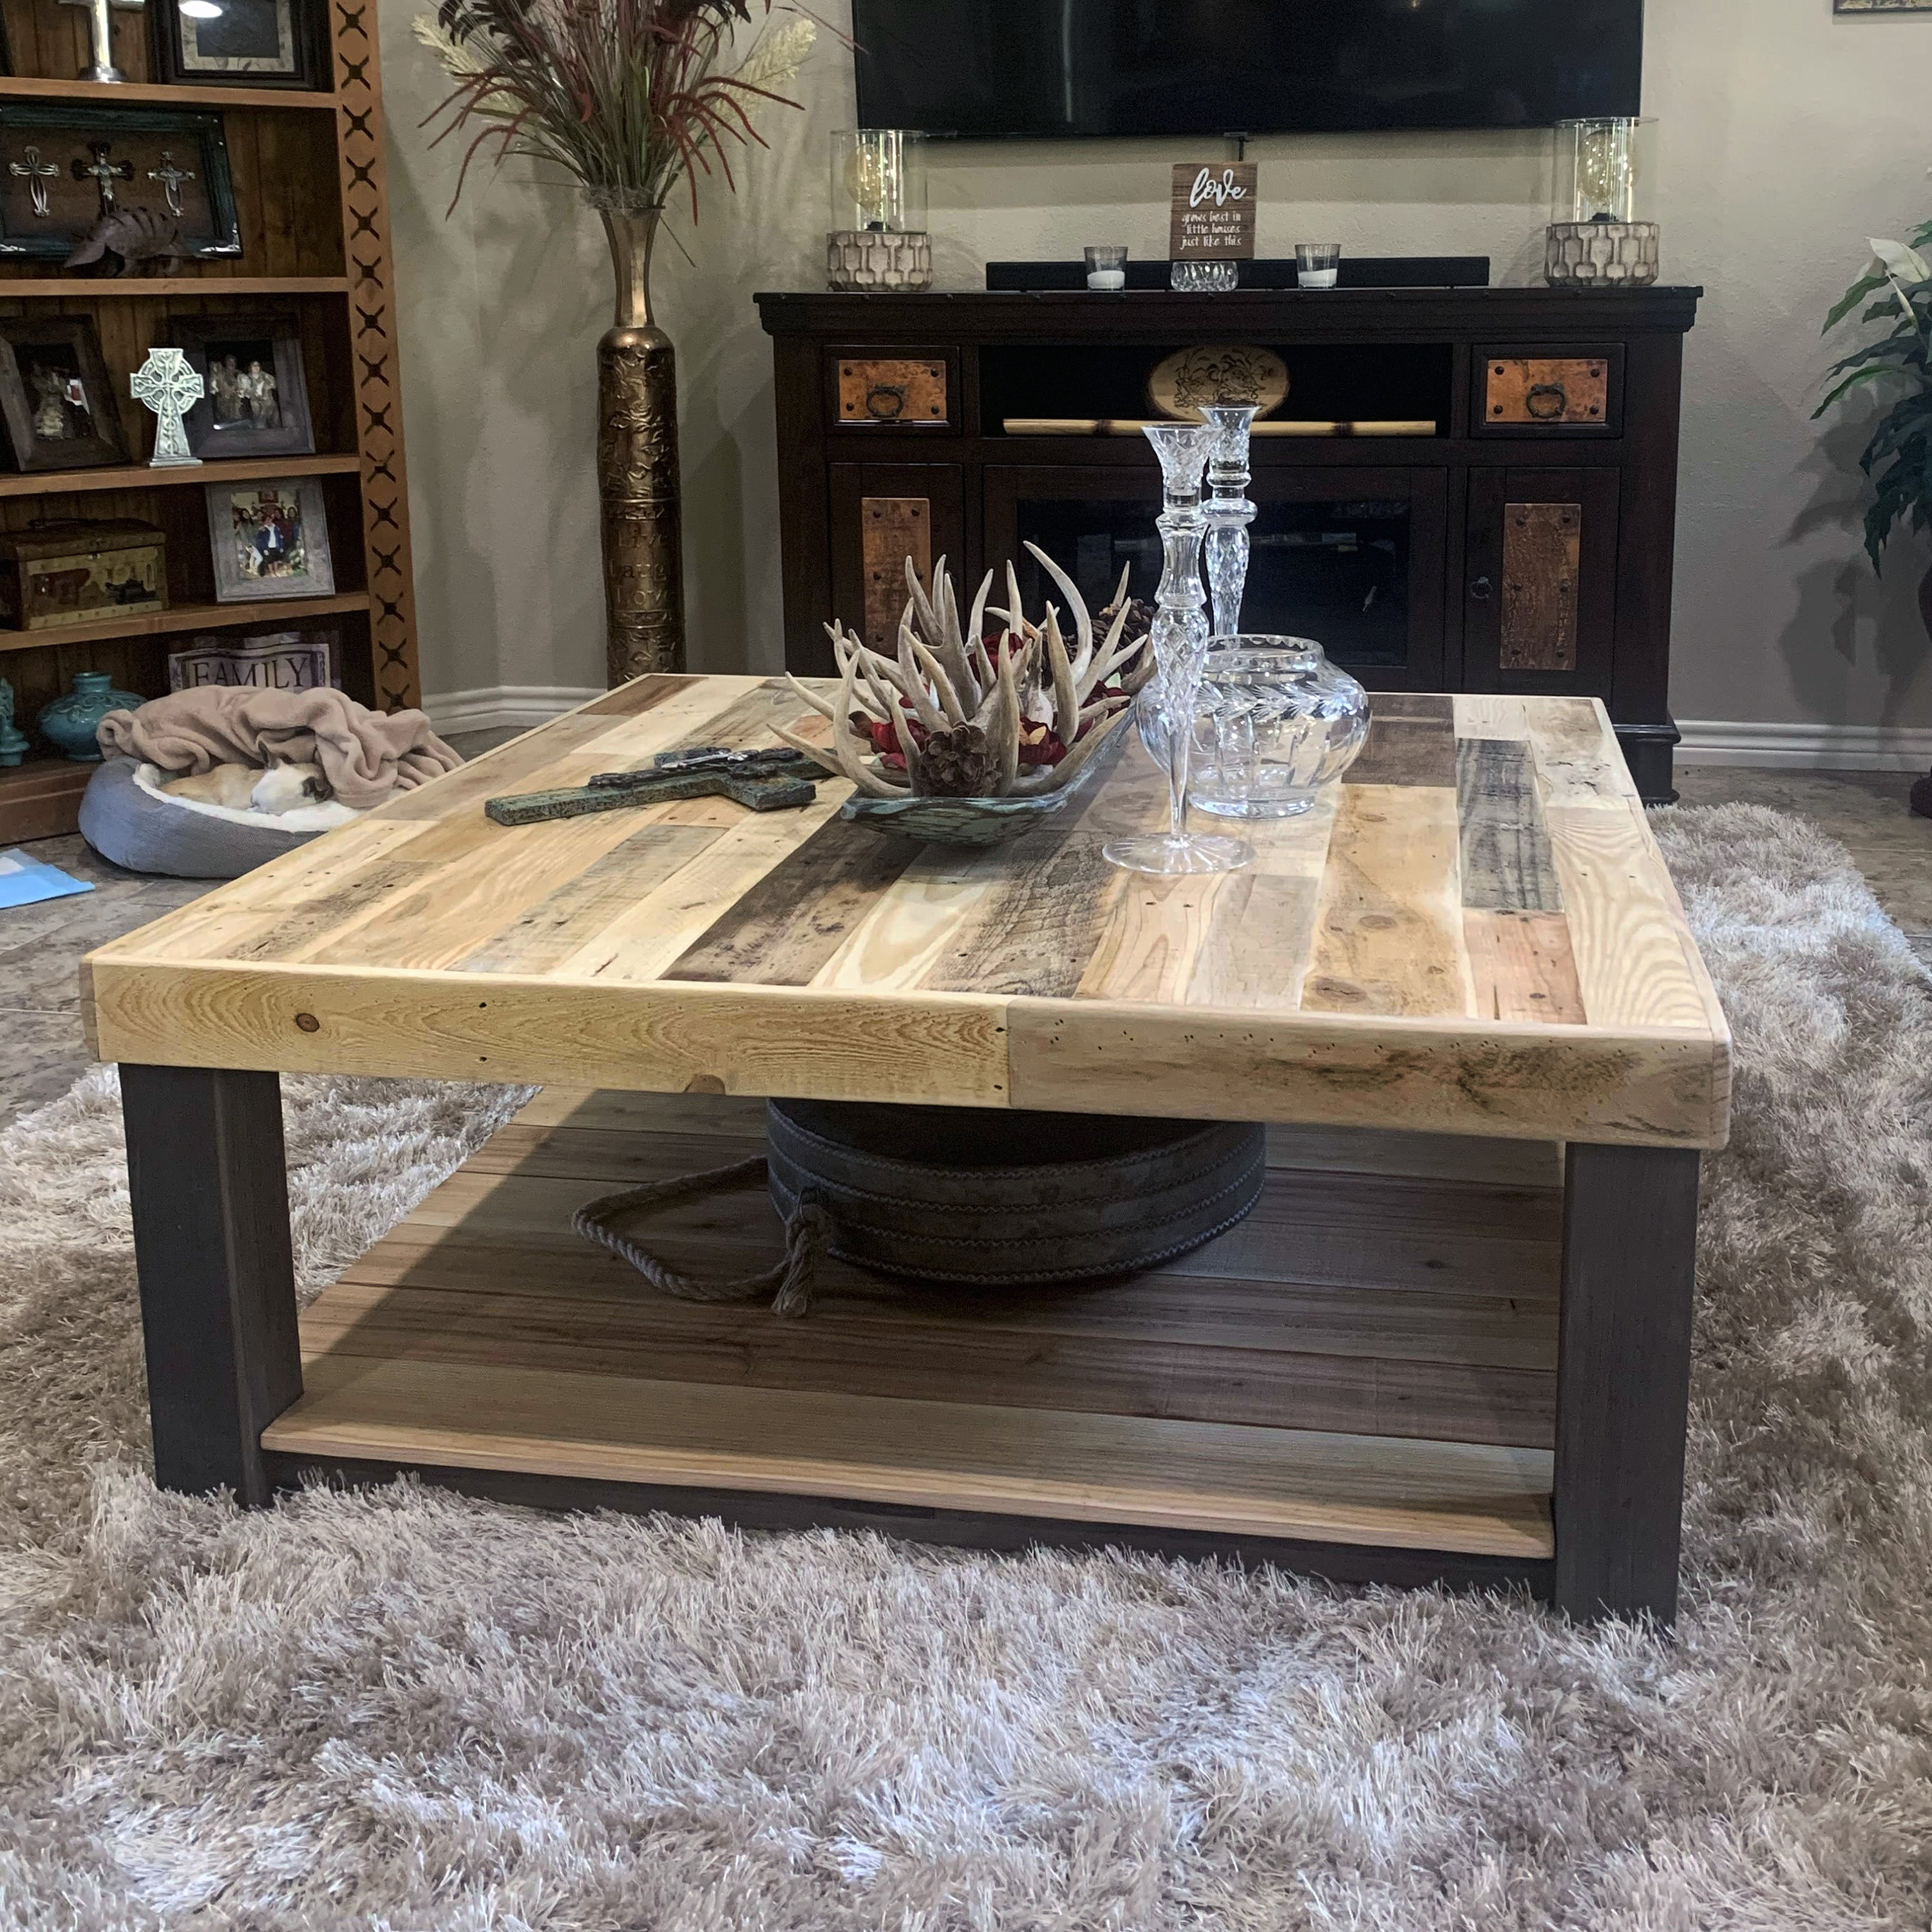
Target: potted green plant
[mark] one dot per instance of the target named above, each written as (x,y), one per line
(632,97)
(1898,458)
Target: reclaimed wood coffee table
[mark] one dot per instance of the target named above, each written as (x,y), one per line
(1451,1341)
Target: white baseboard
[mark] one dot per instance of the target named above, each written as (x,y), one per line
(505,706)
(1817,748)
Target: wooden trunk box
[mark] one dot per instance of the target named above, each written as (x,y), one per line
(73,573)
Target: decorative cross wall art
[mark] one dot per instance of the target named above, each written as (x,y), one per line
(170,387)
(171,178)
(103,172)
(35,172)
(73,177)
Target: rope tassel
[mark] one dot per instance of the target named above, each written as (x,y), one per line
(792,1283)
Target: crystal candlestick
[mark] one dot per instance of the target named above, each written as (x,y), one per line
(1229,512)
(1164,711)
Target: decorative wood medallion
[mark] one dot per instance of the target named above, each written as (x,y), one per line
(893,529)
(872,390)
(1547,390)
(373,348)
(1218,372)
(1543,548)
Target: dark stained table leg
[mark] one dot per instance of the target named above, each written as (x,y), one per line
(1623,1375)
(205,1169)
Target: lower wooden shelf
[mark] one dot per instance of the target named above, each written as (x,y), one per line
(39,798)
(1368,1360)
(267,614)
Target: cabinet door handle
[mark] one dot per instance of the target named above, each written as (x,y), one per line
(885,402)
(1482,590)
(1547,402)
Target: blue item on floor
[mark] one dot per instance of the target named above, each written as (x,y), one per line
(24,881)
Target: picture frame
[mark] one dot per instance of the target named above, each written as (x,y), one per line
(250,365)
(251,43)
(56,398)
(1882,6)
(63,166)
(269,539)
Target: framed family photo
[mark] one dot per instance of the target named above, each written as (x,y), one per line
(55,397)
(270,539)
(244,43)
(256,403)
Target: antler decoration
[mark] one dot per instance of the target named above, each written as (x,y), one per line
(949,715)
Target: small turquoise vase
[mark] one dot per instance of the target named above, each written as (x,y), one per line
(13,741)
(69,723)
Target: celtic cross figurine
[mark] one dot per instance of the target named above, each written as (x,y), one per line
(168,386)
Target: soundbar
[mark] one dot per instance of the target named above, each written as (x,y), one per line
(1133,425)
(1361,271)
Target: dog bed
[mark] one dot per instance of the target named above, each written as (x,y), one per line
(127,818)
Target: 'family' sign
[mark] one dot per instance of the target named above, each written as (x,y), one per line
(1213,217)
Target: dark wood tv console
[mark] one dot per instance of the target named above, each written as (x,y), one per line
(1525,546)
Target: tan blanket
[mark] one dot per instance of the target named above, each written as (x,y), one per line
(365,755)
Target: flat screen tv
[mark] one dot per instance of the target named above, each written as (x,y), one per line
(1057,68)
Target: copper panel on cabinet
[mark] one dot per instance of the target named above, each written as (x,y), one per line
(893,392)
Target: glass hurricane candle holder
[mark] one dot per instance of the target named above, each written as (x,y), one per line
(878,239)
(1317,265)
(1602,234)
(1164,711)
(1107,269)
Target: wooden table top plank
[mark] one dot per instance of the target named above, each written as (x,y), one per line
(1634,953)
(1507,864)
(1578,761)
(1412,742)
(1475,934)
(1523,967)
(788,923)
(1388,930)
(1490,715)
(566,918)
(656,929)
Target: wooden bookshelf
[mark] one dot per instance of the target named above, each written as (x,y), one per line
(73,482)
(271,614)
(76,288)
(312,207)
(27,87)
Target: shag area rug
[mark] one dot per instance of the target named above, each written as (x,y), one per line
(402,1710)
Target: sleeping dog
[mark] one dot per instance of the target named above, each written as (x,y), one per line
(244,788)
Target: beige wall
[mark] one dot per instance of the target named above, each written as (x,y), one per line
(1786,136)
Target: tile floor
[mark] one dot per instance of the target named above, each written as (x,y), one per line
(41,1053)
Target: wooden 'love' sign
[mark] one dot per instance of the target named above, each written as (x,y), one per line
(1213,216)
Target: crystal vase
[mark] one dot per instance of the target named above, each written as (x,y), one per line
(1164,712)
(1229,512)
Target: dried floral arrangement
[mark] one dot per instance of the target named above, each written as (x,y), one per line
(627,95)
(954,713)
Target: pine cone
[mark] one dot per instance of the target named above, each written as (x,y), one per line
(1140,619)
(957,764)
